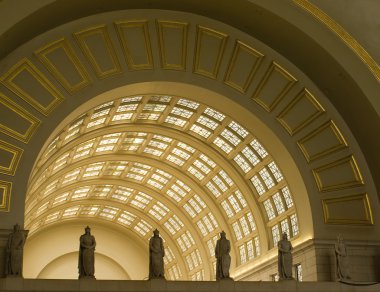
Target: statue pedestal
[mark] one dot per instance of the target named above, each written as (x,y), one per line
(287,279)
(158,284)
(86,278)
(226,284)
(13,283)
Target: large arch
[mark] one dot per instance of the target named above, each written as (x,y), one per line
(63,73)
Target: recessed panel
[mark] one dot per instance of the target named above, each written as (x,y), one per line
(9,158)
(352,209)
(301,111)
(338,175)
(97,46)
(324,140)
(275,84)
(5,196)
(210,46)
(135,40)
(61,60)
(243,65)
(25,80)
(173,44)
(15,121)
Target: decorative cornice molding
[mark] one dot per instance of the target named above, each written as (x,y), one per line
(336,28)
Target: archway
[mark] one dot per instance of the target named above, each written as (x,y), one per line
(230,72)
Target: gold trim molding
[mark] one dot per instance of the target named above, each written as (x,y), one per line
(23,137)
(361,199)
(274,67)
(319,110)
(102,32)
(25,65)
(202,32)
(238,49)
(352,43)
(6,190)
(64,44)
(183,28)
(16,153)
(121,28)
(341,141)
(351,162)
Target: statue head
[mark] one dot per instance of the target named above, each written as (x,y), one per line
(87,229)
(340,237)
(156,232)
(285,236)
(222,234)
(16,227)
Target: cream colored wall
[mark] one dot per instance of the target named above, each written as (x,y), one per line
(64,267)
(120,252)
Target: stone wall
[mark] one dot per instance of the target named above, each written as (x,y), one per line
(317,258)
(12,284)
(4,234)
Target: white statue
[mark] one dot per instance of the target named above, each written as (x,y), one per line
(342,266)
(285,259)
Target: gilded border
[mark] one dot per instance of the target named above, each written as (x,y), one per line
(354,167)
(368,220)
(16,152)
(304,93)
(183,26)
(291,81)
(201,30)
(5,203)
(101,30)
(119,25)
(339,136)
(28,66)
(64,44)
(23,137)
(239,45)
(342,34)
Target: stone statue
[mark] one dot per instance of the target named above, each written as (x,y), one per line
(14,252)
(285,260)
(156,256)
(223,258)
(86,262)
(342,270)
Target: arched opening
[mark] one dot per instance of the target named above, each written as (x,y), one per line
(201,109)
(152,160)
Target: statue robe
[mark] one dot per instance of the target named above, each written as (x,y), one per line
(223,258)
(86,261)
(156,258)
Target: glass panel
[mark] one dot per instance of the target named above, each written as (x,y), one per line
(243,254)
(238,129)
(294,223)
(278,203)
(259,148)
(287,197)
(285,227)
(269,209)
(275,171)
(266,178)
(275,234)
(258,185)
